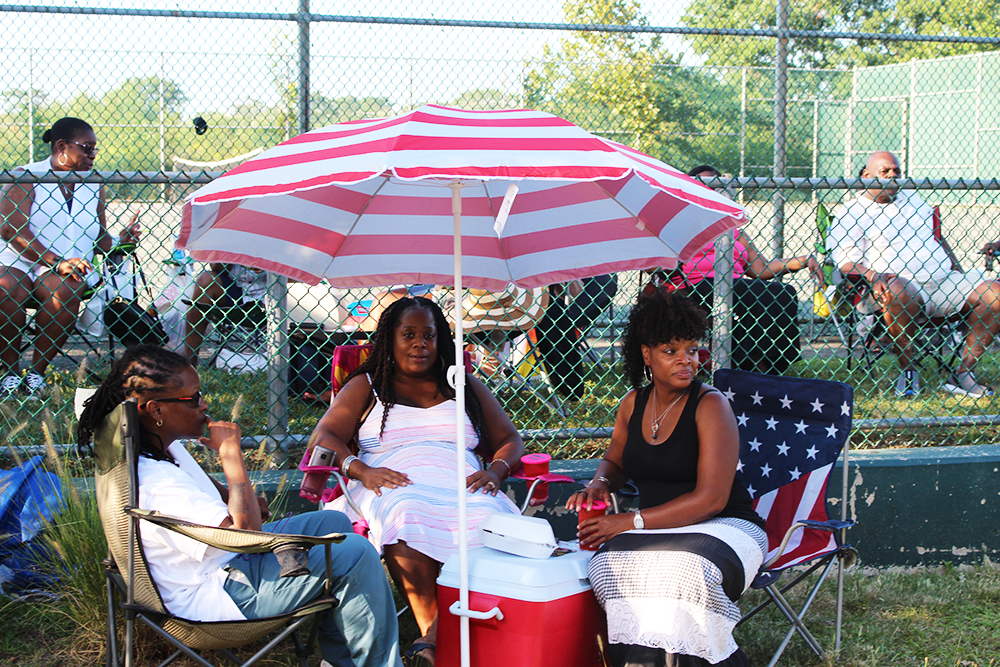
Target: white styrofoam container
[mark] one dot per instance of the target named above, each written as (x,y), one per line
(514,577)
(526,536)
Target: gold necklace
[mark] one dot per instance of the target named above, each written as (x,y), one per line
(654,422)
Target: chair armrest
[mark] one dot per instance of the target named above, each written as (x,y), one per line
(829,526)
(231,539)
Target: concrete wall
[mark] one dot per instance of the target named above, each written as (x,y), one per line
(913,506)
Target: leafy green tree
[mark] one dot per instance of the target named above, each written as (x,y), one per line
(923,17)
(484,99)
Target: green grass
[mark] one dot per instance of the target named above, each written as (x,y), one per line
(948,617)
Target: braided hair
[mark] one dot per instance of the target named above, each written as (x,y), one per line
(141,370)
(381,363)
(658,318)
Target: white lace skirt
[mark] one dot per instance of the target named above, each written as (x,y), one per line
(676,589)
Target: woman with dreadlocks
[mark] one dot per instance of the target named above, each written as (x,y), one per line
(205,584)
(399,408)
(669,574)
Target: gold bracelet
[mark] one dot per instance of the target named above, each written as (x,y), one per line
(499,460)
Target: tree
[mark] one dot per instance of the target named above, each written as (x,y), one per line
(923,17)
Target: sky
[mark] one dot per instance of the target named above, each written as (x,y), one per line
(221,62)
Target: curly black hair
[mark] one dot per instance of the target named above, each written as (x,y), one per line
(381,363)
(657,318)
(143,369)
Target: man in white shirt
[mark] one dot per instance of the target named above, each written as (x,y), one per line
(887,236)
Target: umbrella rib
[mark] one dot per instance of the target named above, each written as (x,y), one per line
(357,219)
(635,217)
(493,212)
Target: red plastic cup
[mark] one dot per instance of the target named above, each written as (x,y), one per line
(535,465)
(599,508)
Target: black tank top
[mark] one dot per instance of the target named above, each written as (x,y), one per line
(670,469)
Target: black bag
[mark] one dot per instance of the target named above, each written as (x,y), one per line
(311,358)
(131,325)
(125,319)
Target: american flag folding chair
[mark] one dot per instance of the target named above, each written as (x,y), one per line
(792,430)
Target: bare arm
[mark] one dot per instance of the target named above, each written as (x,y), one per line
(336,428)
(757,267)
(505,442)
(609,476)
(244,510)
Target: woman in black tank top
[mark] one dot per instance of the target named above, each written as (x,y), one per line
(677,440)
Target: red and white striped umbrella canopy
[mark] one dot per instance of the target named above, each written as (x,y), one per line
(369,203)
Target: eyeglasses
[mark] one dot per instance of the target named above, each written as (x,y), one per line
(194,399)
(89,149)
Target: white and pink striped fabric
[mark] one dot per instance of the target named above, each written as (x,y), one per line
(369,203)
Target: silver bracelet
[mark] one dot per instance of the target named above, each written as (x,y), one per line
(602,478)
(503,462)
(345,465)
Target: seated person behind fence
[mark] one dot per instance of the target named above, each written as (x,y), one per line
(765,328)
(400,409)
(887,236)
(572,311)
(669,575)
(214,585)
(50,230)
(236,291)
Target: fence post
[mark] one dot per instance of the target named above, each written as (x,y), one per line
(276,305)
(31,107)
(780,121)
(722,302)
(302,90)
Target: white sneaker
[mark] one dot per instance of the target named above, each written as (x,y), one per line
(964,384)
(9,386)
(33,385)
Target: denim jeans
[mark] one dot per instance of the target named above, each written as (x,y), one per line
(362,630)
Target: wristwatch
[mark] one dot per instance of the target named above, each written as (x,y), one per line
(637,521)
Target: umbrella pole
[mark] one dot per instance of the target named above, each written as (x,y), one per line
(459,384)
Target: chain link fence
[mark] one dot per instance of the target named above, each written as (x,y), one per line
(787,110)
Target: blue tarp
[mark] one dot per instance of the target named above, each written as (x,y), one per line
(29,499)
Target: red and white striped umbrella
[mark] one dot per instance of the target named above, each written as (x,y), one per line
(446,196)
(368,203)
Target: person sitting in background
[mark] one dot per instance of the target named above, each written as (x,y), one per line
(237,290)
(765,313)
(669,574)
(573,309)
(199,583)
(51,231)
(400,409)
(887,236)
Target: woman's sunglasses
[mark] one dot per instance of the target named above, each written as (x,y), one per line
(89,149)
(194,399)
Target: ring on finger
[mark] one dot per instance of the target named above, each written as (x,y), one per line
(491,485)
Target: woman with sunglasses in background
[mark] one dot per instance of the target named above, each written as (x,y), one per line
(207,584)
(51,231)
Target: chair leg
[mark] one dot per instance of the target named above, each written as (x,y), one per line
(111,660)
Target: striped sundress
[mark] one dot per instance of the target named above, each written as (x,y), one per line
(419,442)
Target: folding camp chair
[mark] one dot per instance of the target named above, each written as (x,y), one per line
(861,326)
(128,577)
(811,419)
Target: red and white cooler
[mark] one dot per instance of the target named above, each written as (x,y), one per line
(550,615)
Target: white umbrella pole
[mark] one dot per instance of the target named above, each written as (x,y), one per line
(459,383)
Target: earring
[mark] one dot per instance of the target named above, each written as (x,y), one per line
(62,159)
(647,373)
(159,422)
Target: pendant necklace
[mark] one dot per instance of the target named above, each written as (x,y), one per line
(654,422)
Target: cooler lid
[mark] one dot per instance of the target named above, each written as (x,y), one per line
(529,579)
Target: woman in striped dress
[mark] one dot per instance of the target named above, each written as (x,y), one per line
(669,575)
(400,410)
